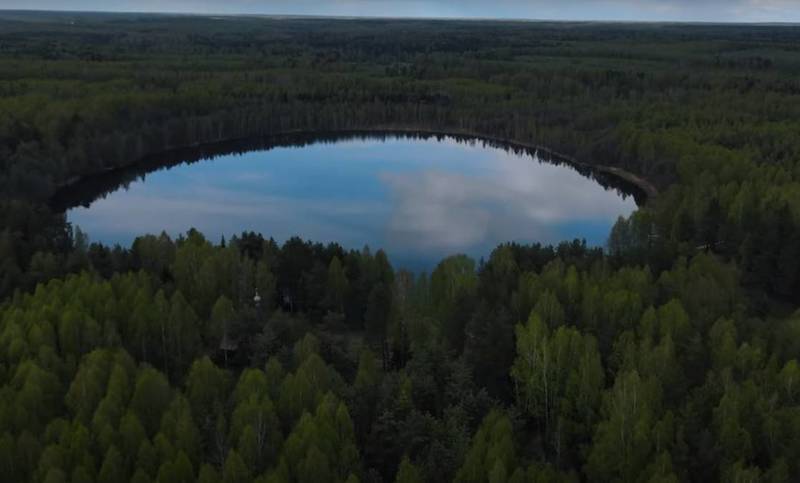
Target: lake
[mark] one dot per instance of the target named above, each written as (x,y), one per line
(420,198)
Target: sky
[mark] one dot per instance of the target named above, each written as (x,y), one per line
(628,10)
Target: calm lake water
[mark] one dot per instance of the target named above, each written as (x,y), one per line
(419,199)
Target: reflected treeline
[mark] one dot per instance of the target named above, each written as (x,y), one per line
(86,190)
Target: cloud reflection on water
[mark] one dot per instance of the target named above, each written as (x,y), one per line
(515,199)
(419,199)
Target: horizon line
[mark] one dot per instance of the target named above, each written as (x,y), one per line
(404,17)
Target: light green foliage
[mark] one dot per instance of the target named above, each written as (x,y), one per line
(322,444)
(408,473)
(180,470)
(235,469)
(314,467)
(492,453)
(147,458)
(559,378)
(304,389)
(452,276)
(624,438)
(132,434)
(544,473)
(222,319)
(550,310)
(500,276)
(138,477)
(274,374)
(207,388)
(724,344)
(182,334)
(104,377)
(178,425)
(112,469)
(366,386)
(151,397)
(208,474)
(306,347)
(255,426)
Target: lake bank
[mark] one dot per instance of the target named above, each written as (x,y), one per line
(69,194)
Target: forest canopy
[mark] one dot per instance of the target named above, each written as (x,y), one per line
(671,354)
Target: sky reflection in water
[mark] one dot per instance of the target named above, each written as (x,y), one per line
(420,200)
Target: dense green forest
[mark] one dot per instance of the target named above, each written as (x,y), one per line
(671,354)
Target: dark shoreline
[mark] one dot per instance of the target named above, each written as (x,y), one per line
(82,191)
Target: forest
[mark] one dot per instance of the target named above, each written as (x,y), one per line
(668,355)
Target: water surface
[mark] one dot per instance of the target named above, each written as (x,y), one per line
(420,199)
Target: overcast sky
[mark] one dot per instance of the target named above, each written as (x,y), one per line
(682,10)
